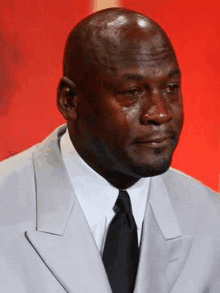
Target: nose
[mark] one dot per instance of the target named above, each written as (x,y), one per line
(157,112)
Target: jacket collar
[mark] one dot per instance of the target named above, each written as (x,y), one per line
(55,196)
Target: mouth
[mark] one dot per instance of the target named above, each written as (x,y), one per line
(154,141)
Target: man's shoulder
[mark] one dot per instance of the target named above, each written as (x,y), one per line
(177,180)
(17,188)
(19,164)
(191,194)
(196,206)
(24,160)
(18,180)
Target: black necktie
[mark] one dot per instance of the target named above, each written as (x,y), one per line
(121,253)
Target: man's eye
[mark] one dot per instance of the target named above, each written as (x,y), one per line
(132,93)
(171,89)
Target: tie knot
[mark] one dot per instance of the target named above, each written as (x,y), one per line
(123,202)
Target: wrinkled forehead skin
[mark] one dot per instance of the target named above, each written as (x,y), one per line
(111,38)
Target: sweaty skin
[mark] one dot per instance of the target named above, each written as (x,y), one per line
(121,96)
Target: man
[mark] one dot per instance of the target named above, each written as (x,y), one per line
(95,207)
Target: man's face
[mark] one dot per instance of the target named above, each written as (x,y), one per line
(131,117)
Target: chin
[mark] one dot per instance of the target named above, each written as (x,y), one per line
(154,163)
(152,168)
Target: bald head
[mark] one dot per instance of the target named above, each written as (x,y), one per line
(107,37)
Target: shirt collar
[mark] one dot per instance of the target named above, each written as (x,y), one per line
(95,194)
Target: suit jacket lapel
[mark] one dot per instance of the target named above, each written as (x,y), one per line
(164,249)
(63,238)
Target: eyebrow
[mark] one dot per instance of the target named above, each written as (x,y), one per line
(132,76)
(129,76)
(174,72)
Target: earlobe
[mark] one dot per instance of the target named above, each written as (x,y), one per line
(67,98)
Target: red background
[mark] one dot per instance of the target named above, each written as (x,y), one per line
(32,39)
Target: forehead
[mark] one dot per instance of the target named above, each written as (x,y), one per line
(130,48)
(146,52)
(140,66)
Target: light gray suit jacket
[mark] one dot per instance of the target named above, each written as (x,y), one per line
(46,245)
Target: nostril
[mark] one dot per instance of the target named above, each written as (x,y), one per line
(156,118)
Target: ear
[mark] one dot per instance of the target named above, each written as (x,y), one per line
(67,98)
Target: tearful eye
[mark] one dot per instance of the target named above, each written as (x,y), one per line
(129,97)
(132,93)
(171,89)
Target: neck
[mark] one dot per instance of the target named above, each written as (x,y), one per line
(115,178)
(102,164)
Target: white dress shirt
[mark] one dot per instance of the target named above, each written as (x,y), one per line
(97,196)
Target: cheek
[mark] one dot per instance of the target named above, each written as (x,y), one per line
(116,128)
(107,120)
(115,131)
(91,114)
(120,120)
(180,118)
(178,114)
